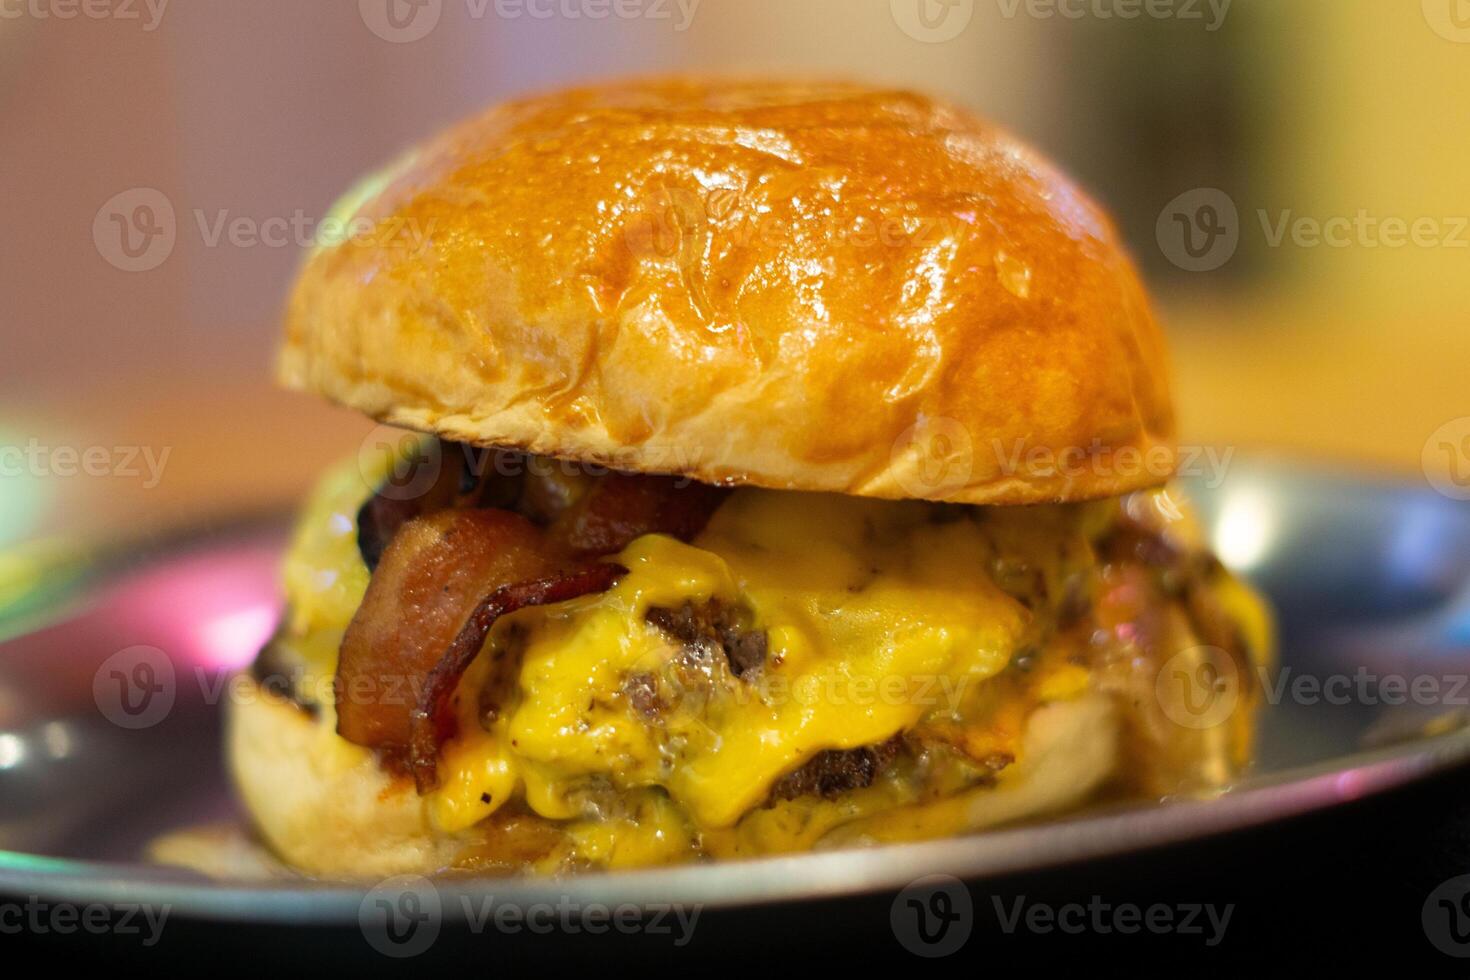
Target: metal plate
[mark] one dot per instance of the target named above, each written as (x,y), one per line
(1371,582)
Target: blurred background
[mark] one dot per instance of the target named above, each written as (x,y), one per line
(1294,175)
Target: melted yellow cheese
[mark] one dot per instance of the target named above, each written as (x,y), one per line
(875,618)
(324,573)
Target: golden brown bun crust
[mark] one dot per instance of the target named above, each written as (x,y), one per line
(817,287)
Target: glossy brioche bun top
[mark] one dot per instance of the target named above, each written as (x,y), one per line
(801,286)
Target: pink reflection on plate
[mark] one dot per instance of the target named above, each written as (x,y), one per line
(231,640)
(209,609)
(214,609)
(1352,784)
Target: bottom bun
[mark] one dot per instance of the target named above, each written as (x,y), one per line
(327,808)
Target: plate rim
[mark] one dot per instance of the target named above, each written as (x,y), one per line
(1111,832)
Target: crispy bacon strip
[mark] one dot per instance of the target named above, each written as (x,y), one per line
(433,721)
(432,575)
(622,507)
(443,582)
(446,566)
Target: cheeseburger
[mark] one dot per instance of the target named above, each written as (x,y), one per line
(788,470)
